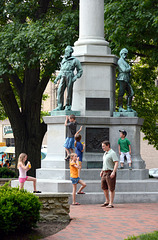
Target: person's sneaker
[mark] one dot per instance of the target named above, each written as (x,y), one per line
(36,191)
(130,168)
(121,167)
(67,158)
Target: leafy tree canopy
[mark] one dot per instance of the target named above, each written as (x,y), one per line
(30,33)
(133,24)
(33,35)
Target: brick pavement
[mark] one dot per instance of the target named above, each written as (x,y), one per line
(95,222)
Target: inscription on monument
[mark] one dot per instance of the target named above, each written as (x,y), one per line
(98,104)
(94,138)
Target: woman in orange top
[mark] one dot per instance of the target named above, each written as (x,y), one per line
(74,166)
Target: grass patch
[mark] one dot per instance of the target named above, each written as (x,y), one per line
(148,236)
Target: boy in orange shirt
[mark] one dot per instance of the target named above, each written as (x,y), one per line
(74,165)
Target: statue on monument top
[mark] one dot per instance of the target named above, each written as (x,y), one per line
(124,82)
(67,78)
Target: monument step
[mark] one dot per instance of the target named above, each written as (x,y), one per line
(93,164)
(52,164)
(91,174)
(44,185)
(120,197)
(94,197)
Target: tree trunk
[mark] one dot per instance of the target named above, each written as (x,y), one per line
(75,5)
(27,129)
(30,143)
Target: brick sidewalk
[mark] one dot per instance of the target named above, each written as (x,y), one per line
(95,222)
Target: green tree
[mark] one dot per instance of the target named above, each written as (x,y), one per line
(33,35)
(133,24)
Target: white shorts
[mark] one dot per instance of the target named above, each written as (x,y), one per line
(128,156)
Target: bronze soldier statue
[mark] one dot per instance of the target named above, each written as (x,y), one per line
(67,78)
(124,82)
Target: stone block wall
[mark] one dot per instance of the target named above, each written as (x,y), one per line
(55,206)
(4,180)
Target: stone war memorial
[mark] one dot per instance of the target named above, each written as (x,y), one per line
(93,103)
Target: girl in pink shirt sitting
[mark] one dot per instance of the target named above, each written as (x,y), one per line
(23,170)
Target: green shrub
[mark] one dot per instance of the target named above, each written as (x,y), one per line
(148,236)
(19,209)
(7,173)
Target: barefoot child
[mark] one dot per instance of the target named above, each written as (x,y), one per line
(79,149)
(23,170)
(74,165)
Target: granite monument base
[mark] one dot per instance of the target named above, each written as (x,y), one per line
(64,112)
(125,114)
(132,185)
(95,130)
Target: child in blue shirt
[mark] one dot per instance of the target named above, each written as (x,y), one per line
(79,149)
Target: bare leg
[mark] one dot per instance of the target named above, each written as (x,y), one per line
(67,151)
(34,182)
(82,187)
(112,195)
(74,193)
(79,170)
(106,194)
(21,185)
(71,150)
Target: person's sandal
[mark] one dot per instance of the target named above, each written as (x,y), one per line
(104,204)
(76,203)
(110,206)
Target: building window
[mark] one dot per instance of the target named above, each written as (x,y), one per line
(10,142)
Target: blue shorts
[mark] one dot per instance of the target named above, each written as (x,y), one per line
(74,180)
(69,143)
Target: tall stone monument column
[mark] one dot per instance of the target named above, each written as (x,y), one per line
(94,93)
(91,31)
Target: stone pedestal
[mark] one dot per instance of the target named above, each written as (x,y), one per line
(125,114)
(65,112)
(94,92)
(94,131)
